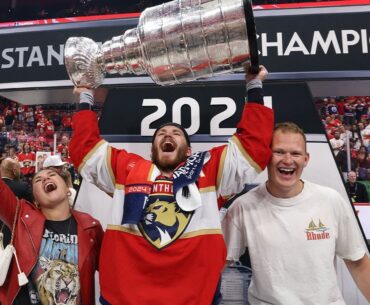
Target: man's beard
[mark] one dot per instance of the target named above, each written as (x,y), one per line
(166,166)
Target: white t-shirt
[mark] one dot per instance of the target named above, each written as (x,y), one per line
(292,244)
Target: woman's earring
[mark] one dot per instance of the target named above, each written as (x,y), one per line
(69,194)
(36,204)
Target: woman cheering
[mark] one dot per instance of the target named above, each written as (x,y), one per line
(57,248)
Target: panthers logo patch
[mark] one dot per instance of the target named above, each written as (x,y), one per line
(163,222)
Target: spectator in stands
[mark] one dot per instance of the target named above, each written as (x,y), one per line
(331,122)
(365,134)
(3,139)
(343,133)
(21,113)
(65,155)
(57,120)
(355,134)
(46,147)
(30,120)
(356,190)
(2,121)
(49,131)
(9,119)
(340,107)
(10,174)
(361,128)
(12,138)
(64,142)
(336,143)
(342,160)
(332,107)
(67,122)
(27,159)
(360,109)
(41,122)
(22,137)
(363,163)
(12,153)
(39,113)
(294,229)
(349,113)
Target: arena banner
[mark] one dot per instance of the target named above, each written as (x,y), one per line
(315,44)
(208,111)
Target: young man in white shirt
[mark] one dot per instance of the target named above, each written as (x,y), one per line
(293,230)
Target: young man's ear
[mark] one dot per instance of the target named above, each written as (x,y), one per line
(307,158)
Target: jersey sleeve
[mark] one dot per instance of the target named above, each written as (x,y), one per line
(248,151)
(97,161)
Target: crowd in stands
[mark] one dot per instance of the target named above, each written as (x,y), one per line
(74,8)
(347,124)
(29,134)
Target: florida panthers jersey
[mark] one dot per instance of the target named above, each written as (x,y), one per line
(170,256)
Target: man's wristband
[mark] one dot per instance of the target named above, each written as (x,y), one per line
(86,101)
(254,92)
(87,97)
(254,83)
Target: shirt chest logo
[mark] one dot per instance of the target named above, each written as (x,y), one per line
(317,231)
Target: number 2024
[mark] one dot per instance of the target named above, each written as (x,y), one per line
(215,129)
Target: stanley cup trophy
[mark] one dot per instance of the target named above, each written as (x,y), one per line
(176,42)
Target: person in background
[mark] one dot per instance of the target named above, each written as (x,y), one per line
(10,174)
(363,163)
(12,153)
(165,245)
(9,119)
(27,160)
(64,142)
(294,229)
(55,162)
(336,143)
(57,247)
(356,191)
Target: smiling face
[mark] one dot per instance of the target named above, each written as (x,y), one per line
(289,158)
(169,148)
(49,189)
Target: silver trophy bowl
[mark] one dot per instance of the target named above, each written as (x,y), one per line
(176,42)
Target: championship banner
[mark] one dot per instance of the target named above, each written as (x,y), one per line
(313,44)
(209,111)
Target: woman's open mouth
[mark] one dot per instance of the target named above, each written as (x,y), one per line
(49,187)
